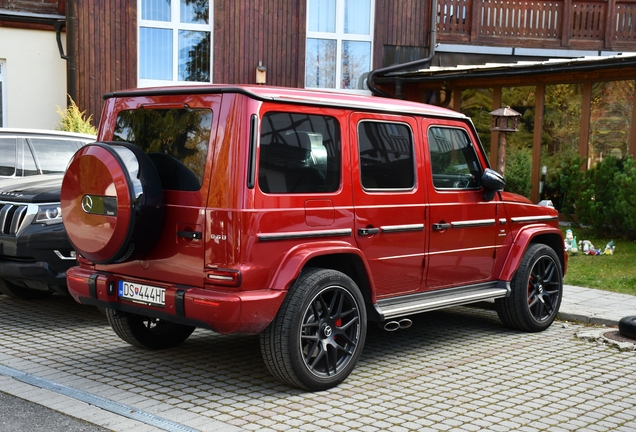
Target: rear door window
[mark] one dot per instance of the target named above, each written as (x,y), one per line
(386,155)
(299,153)
(176,141)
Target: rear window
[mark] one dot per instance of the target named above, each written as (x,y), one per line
(299,153)
(176,141)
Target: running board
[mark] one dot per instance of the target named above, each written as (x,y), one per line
(439,299)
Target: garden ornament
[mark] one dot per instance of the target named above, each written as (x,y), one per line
(570,243)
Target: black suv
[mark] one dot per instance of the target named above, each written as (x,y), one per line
(34,249)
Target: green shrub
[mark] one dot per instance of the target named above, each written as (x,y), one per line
(596,205)
(73,120)
(519,170)
(626,197)
(564,186)
(602,198)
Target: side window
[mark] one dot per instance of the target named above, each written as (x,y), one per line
(7,156)
(3,93)
(454,162)
(299,153)
(386,155)
(53,154)
(176,141)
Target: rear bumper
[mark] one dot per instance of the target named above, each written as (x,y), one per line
(244,312)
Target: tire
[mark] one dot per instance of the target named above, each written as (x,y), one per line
(316,339)
(627,326)
(114,214)
(22,293)
(536,291)
(145,332)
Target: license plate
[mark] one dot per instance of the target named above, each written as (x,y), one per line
(140,293)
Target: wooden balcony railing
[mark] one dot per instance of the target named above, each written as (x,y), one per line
(575,24)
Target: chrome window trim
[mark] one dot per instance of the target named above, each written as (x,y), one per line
(527,219)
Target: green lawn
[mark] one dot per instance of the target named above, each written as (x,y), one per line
(608,272)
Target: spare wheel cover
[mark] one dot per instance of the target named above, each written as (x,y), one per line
(106,211)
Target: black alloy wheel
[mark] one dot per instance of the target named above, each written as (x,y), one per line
(536,291)
(544,289)
(330,331)
(316,339)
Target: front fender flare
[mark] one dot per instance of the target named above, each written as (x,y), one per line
(548,235)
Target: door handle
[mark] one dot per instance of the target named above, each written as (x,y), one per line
(368,231)
(195,235)
(441,226)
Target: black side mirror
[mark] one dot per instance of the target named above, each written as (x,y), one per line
(492,182)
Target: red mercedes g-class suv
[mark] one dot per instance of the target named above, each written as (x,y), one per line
(298,215)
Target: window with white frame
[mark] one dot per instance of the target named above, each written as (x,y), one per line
(175,42)
(339,43)
(3,94)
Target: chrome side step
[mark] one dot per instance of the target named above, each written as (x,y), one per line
(439,299)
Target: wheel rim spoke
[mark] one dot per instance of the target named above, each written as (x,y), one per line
(330,331)
(543,289)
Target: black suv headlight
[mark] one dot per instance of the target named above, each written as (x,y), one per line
(49,214)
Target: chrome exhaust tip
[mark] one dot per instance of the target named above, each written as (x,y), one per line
(391,326)
(405,323)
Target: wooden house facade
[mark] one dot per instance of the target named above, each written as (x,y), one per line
(334,44)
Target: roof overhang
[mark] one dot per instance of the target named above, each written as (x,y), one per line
(590,68)
(18,18)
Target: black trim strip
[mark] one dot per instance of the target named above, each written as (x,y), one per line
(179,302)
(92,285)
(303,234)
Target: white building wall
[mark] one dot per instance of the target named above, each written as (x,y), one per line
(35,78)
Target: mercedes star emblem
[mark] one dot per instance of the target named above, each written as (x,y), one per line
(87,203)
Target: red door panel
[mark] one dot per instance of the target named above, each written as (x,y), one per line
(388,200)
(463,227)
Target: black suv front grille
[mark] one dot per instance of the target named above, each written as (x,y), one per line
(11,217)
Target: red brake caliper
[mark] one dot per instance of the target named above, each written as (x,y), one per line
(338,323)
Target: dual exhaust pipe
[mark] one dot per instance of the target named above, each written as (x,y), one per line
(392,326)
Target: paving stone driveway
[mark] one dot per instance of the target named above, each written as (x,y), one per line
(453,370)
